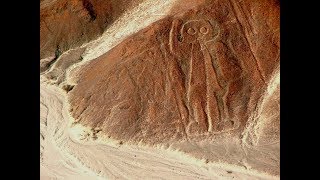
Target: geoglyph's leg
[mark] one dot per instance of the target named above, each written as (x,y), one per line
(212,87)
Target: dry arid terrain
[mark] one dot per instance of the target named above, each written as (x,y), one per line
(159,89)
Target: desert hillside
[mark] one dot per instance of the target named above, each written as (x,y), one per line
(171,89)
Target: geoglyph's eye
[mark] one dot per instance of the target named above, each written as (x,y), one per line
(204,30)
(191,31)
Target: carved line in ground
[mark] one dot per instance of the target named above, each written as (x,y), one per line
(171,34)
(207,56)
(192,31)
(191,64)
(242,30)
(224,88)
(112,29)
(46,25)
(126,59)
(165,56)
(189,84)
(246,18)
(220,105)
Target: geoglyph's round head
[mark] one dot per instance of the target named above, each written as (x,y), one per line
(201,30)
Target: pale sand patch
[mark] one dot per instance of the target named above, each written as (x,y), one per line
(259,119)
(130,22)
(127,24)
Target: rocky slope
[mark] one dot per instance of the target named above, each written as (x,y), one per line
(66,24)
(198,77)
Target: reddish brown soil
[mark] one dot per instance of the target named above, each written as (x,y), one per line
(66,24)
(195,74)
